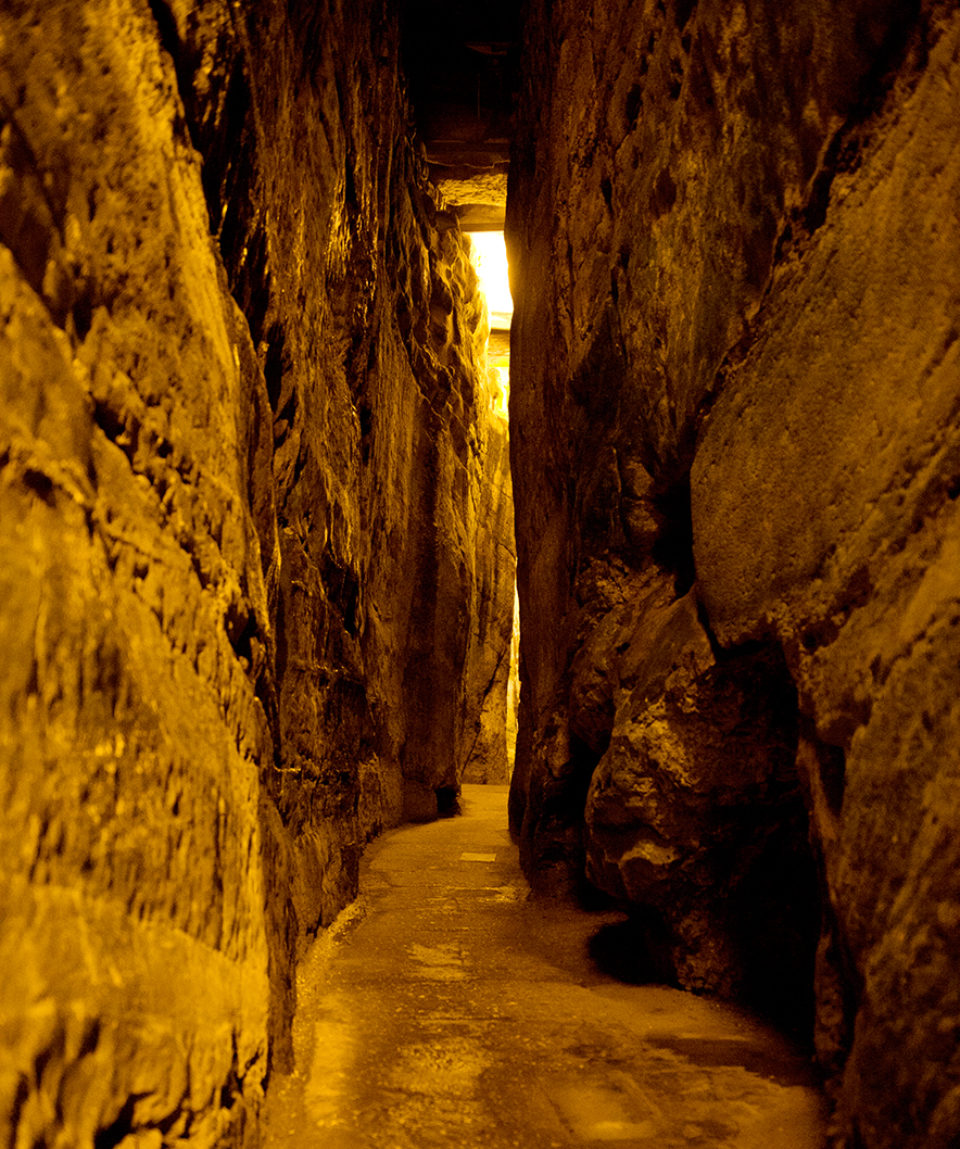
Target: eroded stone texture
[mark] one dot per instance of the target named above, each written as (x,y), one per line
(734,228)
(860,457)
(240,484)
(487,755)
(696,794)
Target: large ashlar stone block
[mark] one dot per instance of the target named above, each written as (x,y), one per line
(133,938)
(245,439)
(745,263)
(824,509)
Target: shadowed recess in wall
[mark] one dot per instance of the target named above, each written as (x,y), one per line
(635,951)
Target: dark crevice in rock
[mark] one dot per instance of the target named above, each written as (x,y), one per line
(635,951)
(184,64)
(597,381)
(833,776)
(32,211)
(342,585)
(887,38)
(683,10)
(40,484)
(276,362)
(18,1100)
(673,549)
(633,106)
(221,129)
(122,1126)
(778,908)
(448,801)
(839,988)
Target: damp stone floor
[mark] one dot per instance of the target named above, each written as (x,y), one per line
(447,1007)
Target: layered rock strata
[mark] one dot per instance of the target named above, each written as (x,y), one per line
(255,568)
(734,227)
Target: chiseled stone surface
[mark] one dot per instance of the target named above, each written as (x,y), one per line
(487,742)
(246,592)
(696,794)
(734,226)
(858,574)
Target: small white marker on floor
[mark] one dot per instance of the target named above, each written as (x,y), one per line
(478,857)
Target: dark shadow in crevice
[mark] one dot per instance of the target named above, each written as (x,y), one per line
(592,900)
(673,550)
(635,951)
(776,915)
(448,801)
(833,775)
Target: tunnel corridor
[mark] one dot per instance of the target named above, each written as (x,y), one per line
(428,724)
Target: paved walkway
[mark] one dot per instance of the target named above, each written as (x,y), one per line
(447,1009)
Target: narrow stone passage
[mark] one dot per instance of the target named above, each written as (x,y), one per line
(447,1008)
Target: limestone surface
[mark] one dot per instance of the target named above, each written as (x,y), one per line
(255,564)
(734,227)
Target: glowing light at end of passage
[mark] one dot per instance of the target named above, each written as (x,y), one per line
(490,260)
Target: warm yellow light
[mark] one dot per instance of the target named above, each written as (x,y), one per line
(498,379)
(490,260)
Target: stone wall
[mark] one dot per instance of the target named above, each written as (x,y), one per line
(245,600)
(491,641)
(735,402)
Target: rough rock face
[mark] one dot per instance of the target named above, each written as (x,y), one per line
(734,226)
(695,794)
(246,598)
(487,741)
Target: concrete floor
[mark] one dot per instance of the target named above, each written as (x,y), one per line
(446,1008)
